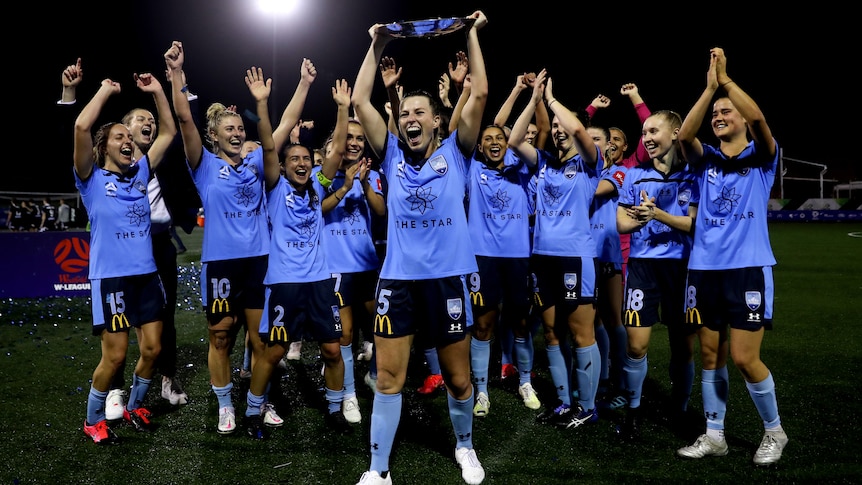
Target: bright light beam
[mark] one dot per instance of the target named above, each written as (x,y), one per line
(277,7)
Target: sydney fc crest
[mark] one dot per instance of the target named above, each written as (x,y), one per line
(454,306)
(753,299)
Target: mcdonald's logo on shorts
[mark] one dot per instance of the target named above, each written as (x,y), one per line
(119,322)
(633,318)
(382,324)
(278,335)
(340,299)
(220,305)
(692,315)
(477,299)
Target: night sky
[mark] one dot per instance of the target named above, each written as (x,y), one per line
(785,60)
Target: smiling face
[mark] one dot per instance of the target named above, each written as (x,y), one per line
(600,138)
(247,147)
(726,121)
(617,145)
(298,161)
(142,125)
(418,123)
(355,147)
(562,140)
(660,133)
(115,147)
(493,145)
(229,135)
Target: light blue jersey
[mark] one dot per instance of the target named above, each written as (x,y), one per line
(498,209)
(236,221)
(673,193)
(119,212)
(296,254)
(349,244)
(731,226)
(603,219)
(564,194)
(427,223)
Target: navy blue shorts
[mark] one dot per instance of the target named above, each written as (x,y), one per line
(437,308)
(654,292)
(230,286)
(296,309)
(501,281)
(354,288)
(741,298)
(564,282)
(129,301)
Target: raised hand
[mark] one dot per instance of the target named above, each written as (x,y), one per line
(720,65)
(341,93)
(112,87)
(147,83)
(601,101)
(307,71)
(481,19)
(459,71)
(629,89)
(174,56)
(73,74)
(257,85)
(389,72)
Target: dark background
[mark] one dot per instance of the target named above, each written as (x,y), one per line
(792,61)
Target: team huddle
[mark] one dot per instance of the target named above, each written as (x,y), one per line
(491,232)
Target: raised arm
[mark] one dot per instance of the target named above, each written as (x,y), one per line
(192,143)
(391,74)
(167,128)
(443,91)
(459,105)
(757,127)
(518,138)
(631,90)
(372,121)
(571,124)
(505,110)
(292,113)
(83,155)
(470,123)
(341,95)
(260,88)
(71,78)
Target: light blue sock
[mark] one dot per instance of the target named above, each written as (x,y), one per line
(634,374)
(461,415)
(566,351)
(385,416)
(349,378)
(558,373)
(480,354)
(253,404)
(223,395)
(714,385)
(433,361)
(96,406)
(525,364)
(589,363)
(334,398)
(140,386)
(766,402)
